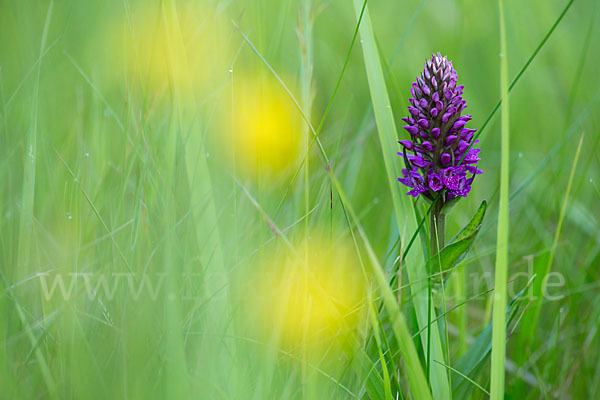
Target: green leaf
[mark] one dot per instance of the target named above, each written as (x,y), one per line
(474,225)
(460,245)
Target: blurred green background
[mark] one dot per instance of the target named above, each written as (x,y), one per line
(139,144)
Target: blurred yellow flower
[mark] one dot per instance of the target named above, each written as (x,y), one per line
(266,128)
(313,299)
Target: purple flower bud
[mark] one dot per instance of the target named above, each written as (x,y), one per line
(423,123)
(407,144)
(427,146)
(446,117)
(467,134)
(413,111)
(450,139)
(446,158)
(413,130)
(435,132)
(457,125)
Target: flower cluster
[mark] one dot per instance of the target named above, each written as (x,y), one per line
(440,156)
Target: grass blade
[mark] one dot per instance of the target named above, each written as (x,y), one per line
(499,313)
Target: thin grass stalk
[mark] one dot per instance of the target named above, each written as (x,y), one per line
(499,313)
(306,55)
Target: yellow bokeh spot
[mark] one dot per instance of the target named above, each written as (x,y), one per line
(313,299)
(266,128)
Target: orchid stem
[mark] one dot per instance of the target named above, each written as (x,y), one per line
(437,233)
(437,227)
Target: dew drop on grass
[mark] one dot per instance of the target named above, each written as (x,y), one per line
(520,155)
(87,154)
(69,216)
(207,154)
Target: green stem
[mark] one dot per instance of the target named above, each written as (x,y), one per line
(437,235)
(437,230)
(502,242)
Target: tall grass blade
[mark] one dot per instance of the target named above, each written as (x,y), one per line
(499,313)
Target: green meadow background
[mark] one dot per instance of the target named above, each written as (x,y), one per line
(125,174)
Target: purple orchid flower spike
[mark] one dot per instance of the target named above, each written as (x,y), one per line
(440,158)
